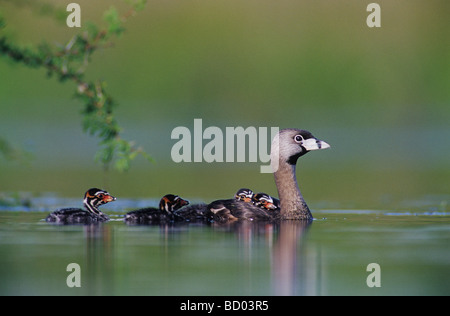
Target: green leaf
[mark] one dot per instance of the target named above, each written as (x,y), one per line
(111,17)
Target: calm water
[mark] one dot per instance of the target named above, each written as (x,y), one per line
(328,257)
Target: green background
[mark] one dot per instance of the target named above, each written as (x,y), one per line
(379,96)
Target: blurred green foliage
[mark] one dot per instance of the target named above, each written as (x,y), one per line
(380,97)
(69,62)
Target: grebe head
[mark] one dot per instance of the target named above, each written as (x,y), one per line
(171,202)
(245,195)
(290,144)
(94,197)
(264,200)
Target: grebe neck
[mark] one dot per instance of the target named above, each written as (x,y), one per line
(92,208)
(293,205)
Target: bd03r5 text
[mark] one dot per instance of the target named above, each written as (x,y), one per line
(246,305)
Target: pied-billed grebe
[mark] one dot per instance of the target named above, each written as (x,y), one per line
(244,194)
(201,212)
(287,146)
(165,213)
(193,213)
(265,201)
(93,198)
(241,207)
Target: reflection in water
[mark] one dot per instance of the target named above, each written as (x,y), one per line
(293,266)
(287,272)
(99,266)
(293,269)
(245,258)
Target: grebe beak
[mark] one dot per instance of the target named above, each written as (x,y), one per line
(270,206)
(314,144)
(108,198)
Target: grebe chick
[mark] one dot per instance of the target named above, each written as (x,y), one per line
(193,213)
(165,213)
(200,212)
(265,201)
(245,195)
(223,211)
(93,198)
(241,207)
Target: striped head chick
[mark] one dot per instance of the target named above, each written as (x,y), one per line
(264,200)
(245,195)
(171,202)
(94,197)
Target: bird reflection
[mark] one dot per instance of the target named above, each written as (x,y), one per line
(98,266)
(291,272)
(289,268)
(293,262)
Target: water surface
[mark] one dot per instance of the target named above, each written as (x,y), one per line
(328,257)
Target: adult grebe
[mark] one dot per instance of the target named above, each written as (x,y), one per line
(287,146)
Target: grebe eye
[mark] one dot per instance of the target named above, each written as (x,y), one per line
(298,138)
(101,195)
